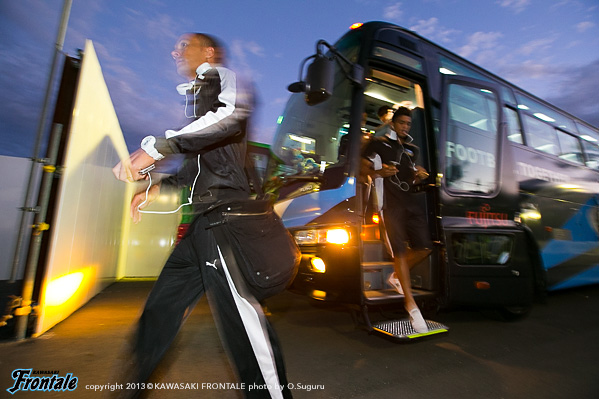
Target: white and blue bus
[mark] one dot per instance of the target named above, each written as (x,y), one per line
(513,194)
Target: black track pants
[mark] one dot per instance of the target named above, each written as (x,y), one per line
(197,266)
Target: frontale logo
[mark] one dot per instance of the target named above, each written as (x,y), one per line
(24,381)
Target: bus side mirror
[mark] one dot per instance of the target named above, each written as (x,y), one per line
(318,85)
(320,77)
(319,80)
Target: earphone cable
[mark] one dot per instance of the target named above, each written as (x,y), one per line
(189,199)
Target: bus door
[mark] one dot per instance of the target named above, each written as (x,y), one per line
(384,89)
(487,256)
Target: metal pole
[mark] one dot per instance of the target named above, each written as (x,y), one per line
(39,226)
(31,268)
(36,161)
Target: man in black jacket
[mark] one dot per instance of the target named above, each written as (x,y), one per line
(404,218)
(215,144)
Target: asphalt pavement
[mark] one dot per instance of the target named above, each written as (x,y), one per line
(553,353)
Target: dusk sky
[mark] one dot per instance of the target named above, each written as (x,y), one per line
(549,48)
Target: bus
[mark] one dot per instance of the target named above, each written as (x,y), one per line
(512,200)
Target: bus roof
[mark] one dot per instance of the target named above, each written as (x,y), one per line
(372,27)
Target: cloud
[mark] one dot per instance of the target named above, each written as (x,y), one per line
(255,49)
(525,74)
(240,60)
(18,16)
(154,27)
(26,53)
(426,27)
(238,51)
(516,5)
(584,26)
(536,45)
(431,29)
(578,92)
(574,89)
(479,42)
(393,12)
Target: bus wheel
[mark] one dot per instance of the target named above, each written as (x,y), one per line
(514,313)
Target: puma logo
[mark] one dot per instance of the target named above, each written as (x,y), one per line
(212,264)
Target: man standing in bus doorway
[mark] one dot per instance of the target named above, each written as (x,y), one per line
(215,143)
(385,114)
(403,217)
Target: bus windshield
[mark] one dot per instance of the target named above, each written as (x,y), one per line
(312,139)
(307,137)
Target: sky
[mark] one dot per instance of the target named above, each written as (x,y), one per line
(549,48)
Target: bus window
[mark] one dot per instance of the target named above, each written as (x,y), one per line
(383,88)
(540,135)
(544,113)
(481,249)
(513,125)
(588,134)
(396,56)
(307,138)
(590,144)
(591,151)
(305,146)
(449,67)
(471,145)
(569,148)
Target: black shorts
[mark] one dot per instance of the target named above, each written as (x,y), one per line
(406,223)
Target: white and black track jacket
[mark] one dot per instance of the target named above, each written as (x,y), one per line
(220,109)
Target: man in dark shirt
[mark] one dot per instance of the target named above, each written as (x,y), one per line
(394,160)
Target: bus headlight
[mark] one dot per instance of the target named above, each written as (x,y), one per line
(321,236)
(337,236)
(306,237)
(531,214)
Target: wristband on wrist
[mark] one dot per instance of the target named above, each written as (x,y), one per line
(147,144)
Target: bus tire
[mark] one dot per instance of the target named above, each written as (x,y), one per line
(514,313)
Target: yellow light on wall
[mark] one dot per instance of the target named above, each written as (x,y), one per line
(61,289)
(338,236)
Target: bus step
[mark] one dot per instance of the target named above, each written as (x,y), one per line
(402,329)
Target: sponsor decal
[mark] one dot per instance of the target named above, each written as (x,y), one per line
(470,154)
(538,173)
(484,217)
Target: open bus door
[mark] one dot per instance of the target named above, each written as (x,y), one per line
(488,260)
(316,204)
(378,265)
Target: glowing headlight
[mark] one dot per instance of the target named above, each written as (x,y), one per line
(530,214)
(321,236)
(338,236)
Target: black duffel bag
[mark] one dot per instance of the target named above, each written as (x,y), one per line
(265,252)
